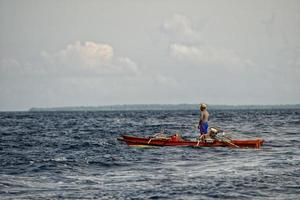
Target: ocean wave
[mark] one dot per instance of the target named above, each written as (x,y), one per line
(52,155)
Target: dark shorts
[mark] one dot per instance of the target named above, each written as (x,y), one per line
(203,128)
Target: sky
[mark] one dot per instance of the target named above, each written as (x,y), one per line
(91,53)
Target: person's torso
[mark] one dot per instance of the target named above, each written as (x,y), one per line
(205,116)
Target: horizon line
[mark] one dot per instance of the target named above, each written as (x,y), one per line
(145,104)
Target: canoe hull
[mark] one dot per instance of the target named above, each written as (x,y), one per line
(148,141)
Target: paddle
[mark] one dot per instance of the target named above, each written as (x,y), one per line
(226,140)
(222,139)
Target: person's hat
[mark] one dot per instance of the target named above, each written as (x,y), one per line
(202,105)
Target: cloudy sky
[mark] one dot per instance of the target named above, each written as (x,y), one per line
(89,53)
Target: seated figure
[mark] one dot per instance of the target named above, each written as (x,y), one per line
(210,136)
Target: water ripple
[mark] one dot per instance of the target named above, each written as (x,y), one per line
(52,155)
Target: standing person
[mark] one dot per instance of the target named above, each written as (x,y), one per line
(203,122)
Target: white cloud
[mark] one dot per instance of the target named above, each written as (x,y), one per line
(187,46)
(208,55)
(90,57)
(181,28)
(13,68)
(77,59)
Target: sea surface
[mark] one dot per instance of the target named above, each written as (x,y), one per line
(76,155)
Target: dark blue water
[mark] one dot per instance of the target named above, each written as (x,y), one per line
(50,155)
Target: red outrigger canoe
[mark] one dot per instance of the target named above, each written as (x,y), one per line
(171,141)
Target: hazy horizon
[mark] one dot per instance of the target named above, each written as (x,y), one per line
(93,53)
(154,104)
(174,106)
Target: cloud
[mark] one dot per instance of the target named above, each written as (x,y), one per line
(13,68)
(208,55)
(76,59)
(181,28)
(188,47)
(89,58)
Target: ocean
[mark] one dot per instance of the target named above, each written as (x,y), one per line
(76,155)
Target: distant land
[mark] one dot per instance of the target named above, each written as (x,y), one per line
(163,107)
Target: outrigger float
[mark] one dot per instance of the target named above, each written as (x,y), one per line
(176,140)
